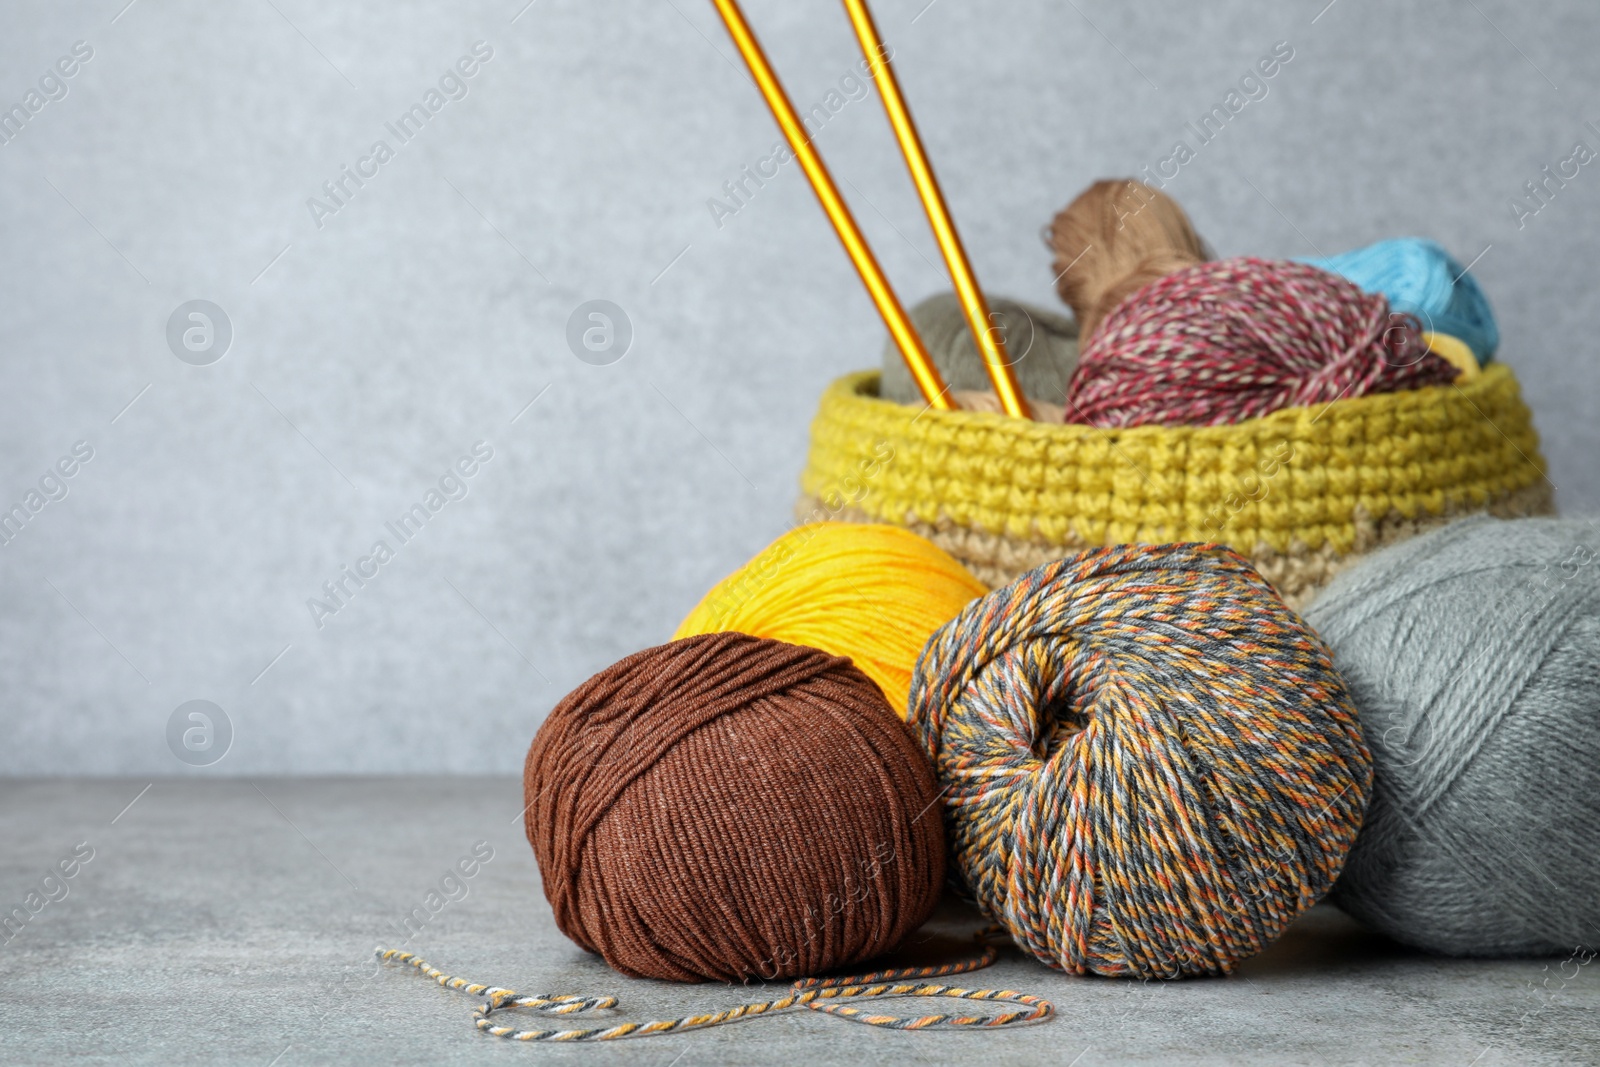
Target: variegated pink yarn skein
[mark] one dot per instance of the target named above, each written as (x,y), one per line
(1227,340)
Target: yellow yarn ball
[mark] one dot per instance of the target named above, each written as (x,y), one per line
(872,593)
(1456,351)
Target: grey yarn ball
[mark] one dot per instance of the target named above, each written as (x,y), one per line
(1043,347)
(1473,656)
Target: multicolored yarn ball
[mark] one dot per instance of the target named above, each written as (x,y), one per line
(1418,277)
(730,808)
(1220,342)
(1148,763)
(868,592)
(1473,653)
(1042,345)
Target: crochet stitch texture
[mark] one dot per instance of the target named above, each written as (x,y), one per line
(1299,492)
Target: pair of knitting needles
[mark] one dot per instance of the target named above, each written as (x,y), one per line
(991,344)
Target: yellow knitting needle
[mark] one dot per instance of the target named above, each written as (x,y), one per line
(927,376)
(991,344)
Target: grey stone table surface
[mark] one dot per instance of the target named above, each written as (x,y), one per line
(213,920)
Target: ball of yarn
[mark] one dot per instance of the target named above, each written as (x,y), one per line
(1473,654)
(1148,762)
(1456,352)
(732,808)
(1042,346)
(1118,236)
(1420,278)
(989,403)
(1233,339)
(867,592)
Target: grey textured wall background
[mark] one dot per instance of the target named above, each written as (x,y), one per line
(424,316)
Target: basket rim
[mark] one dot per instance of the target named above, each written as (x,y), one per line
(1402,456)
(853,388)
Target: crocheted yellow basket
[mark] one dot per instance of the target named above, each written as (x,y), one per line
(1301,491)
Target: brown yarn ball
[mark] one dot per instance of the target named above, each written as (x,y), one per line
(727,807)
(1118,236)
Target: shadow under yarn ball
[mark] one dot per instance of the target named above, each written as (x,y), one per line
(732,808)
(1473,654)
(1042,346)
(1149,764)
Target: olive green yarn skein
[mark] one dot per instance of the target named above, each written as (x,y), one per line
(1043,347)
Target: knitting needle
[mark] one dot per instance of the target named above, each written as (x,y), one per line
(927,376)
(991,344)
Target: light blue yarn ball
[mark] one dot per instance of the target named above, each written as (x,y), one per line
(1473,657)
(1419,277)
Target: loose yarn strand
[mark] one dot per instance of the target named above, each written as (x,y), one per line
(817,994)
